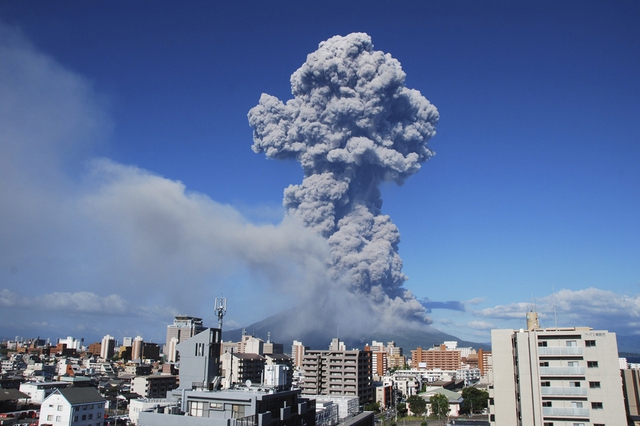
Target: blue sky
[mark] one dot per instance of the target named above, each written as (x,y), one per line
(128,172)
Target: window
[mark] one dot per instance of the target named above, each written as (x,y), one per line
(84,408)
(574,384)
(548,423)
(75,418)
(542,344)
(91,407)
(592,364)
(598,424)
(59,408)
(84,417)
(90,416)
(590,343)
(58,419)
(572,343)
(547,404)
(578,424)
(572,363)
(50,417)
(544,364)
(596,405)
(594,385)
(545,384)
(576,404)
(216,406)
(196,408)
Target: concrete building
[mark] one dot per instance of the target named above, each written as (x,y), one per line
(438,357)
(107,347)
(184,327)
(631,392)
(155,386)
(297,353)
(198,402)
(338,372)
(74,407)
(38,391)
(555,377)
(240,367)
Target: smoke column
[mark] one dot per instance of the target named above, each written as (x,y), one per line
(352,124)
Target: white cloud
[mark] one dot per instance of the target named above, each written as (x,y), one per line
(587,307)
(480,325)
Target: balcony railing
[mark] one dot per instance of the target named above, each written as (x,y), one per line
(569,412)
(563,391)
(562,371)
(560,350)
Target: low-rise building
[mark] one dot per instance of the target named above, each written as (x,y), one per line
(73,407)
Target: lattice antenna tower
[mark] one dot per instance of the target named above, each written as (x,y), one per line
(220,308)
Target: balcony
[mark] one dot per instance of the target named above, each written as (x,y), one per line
(563,391)
(562,371)
(568,412)
(560,350)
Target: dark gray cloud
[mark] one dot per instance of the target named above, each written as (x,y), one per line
(453,305)
(352,124)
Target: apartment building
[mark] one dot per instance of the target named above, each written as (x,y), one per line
(439,357)
(154,386)
(338,371)
(555,377)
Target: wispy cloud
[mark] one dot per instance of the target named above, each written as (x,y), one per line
(587,307)
(453,305)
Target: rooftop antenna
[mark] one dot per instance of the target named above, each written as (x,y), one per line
(220,308)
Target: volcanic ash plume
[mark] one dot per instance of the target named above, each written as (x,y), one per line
(352,124)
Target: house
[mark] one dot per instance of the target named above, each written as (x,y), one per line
(73,407)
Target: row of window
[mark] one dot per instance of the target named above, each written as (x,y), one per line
(575,424)
(590,364)
(576,404)
(75,418)
(587,343)
(592,385)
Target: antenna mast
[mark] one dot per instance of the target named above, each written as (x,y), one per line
(220,308)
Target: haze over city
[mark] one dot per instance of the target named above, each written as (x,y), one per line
(129,191)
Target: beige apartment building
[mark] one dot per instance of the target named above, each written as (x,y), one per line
(555,377)
(338,372)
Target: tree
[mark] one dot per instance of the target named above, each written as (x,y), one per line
(372,406)
(401,409)
(439,405)
(474,400)
(417,405)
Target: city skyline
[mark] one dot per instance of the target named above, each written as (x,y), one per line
(130,193)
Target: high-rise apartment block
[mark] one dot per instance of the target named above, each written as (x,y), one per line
(555,377)
(108,346)
(338,371)
(440,357)
(183,328)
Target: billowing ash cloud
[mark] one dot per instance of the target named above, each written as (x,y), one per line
(352,124)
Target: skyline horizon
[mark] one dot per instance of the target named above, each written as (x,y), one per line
(130,193)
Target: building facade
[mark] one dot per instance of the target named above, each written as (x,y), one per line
(338,372)
(74,407)
(555,377)
(155,386)
(184,327)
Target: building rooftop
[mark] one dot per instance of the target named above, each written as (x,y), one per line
(81,395)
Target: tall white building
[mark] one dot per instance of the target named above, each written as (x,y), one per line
(555,377)
(108,347)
